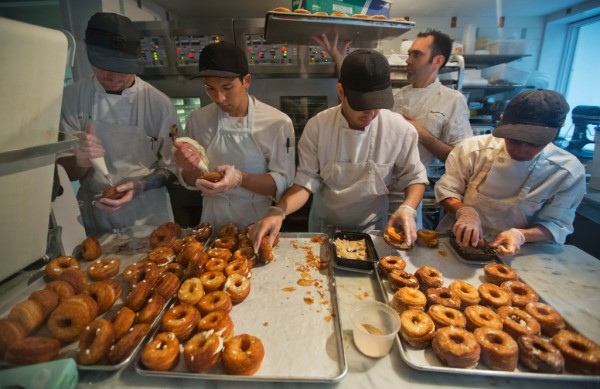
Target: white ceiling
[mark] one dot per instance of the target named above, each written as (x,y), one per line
(183,9)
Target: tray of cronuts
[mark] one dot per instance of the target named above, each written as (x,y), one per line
(283,26)
(96,306)
(481,320)
(246,316)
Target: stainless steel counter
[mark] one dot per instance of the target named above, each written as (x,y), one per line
(566,276)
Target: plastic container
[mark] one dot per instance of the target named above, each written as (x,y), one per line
(508,46)
(374,328)
(504,74)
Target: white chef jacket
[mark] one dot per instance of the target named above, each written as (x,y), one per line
(441,110)
(140,114)
(392,147)
(160,114)
(555,188)
(272,130)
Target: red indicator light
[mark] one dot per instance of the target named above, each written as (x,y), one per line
(283,49)
(178,51)
(191,55)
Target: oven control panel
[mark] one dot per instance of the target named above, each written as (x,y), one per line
(153,51)
(188,47)
(316,55)
(260,53)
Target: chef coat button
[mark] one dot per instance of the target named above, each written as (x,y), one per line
(500,159)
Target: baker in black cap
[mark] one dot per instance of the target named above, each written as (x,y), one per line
(249,142)
(514,186)
(125,121)
(353,156)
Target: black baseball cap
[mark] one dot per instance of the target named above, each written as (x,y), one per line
(222,59)
(113,44)
(365,77)
(533,116)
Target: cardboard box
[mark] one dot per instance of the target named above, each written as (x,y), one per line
(369,7)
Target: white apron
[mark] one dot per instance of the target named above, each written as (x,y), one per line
(495,215)
(351,195)
(130,153)
(236,147)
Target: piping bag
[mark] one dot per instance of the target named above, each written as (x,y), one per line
(100,164)
(204,163)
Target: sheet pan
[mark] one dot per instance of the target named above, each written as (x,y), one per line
(452,267)
(293,28)
(293,309)
(130,245)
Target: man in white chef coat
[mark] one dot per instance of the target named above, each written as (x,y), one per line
(514,185)
(439,114)
(251,143)
(353,156)
(125,120)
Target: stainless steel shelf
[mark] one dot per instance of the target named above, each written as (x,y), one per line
(17,160)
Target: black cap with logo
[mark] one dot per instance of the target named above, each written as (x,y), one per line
(113,44)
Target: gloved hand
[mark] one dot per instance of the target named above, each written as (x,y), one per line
(467,228)
(405,216)
(268,225)
(508,242)
(157,179)
(89,147)
(232,178)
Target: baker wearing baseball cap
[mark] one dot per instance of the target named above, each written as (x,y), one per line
(250,143)
(352,156)
(123,121)
(514,185)
(113,44)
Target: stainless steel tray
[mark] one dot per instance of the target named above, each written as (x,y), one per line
(130,245)
(452,267)
(293,309)
(292,28)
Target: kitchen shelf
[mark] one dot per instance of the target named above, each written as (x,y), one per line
(482,61)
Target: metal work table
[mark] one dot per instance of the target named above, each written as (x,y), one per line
(566,277)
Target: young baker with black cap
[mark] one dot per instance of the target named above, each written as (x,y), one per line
(353,156)
(514,186)
(120,117)
(251,143)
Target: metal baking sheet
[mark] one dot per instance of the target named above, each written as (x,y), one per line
(293,309)
(129,245)
(452,267)
(292,28)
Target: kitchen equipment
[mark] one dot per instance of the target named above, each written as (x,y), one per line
(34,60)
(582,117)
